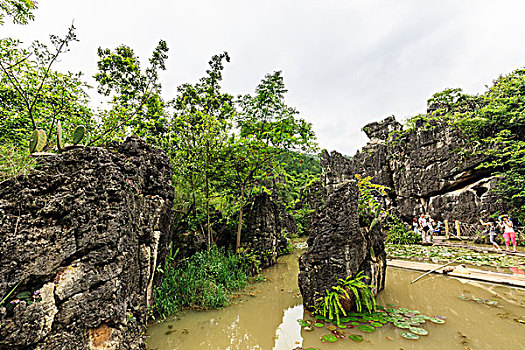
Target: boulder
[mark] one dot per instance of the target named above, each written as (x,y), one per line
(80,240)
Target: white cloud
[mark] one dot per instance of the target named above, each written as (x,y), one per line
(345,63)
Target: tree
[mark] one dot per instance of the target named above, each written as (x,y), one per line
(200,129)
(36,96)
(267,127)
(135,95)
(21,11)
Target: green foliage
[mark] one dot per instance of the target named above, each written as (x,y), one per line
(369,203)
(399,233)
(135,95)
(21,11)
(206,280)
(33,95)
(14,161)
(363,296)
(329,305)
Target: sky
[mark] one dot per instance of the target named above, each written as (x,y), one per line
(346,63)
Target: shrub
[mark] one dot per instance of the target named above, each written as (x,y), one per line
(399,233)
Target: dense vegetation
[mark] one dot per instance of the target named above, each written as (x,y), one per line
(224,149)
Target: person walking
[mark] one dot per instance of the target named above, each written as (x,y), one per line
(492,231)
(508,232)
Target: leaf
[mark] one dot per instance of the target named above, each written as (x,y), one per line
(409,335)
(329,338)
(356,337)
(367,328)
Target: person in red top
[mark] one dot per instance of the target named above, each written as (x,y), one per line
(508,232)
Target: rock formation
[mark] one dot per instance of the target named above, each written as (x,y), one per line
(267,228)
(80,240)
(424,171)
(337,246)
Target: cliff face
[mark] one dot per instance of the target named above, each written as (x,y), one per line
(84,234)
(425,172)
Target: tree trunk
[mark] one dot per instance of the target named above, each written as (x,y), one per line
(238,243)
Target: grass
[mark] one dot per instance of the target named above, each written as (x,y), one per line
(204,281)
(14,161)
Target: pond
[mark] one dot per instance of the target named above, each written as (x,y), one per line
(265,316)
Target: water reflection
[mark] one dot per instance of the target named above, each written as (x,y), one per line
(288,335)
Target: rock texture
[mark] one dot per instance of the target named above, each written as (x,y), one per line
(425,172)
(337,246)
(85,231)
(267,226)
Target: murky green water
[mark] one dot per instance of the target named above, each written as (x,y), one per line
(268,320)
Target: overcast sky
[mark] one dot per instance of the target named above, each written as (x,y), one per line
(345,63)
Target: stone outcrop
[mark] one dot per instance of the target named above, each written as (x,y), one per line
(267,226)
(84,234)
(424,171)
(337,246)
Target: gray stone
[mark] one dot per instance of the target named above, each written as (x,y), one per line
(87,229)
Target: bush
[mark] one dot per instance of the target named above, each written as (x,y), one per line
(205,280)
(399,233)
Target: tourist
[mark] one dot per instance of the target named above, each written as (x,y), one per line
(508,232)
(492,231)
(415,226)
(423,225)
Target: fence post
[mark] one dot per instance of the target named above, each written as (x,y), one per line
(458,228)
(447,234)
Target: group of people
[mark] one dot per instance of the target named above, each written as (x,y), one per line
(427,227)
(505,225)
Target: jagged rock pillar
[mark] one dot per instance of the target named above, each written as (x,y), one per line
(84,234)
(338,247)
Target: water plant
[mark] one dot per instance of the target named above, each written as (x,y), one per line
(79,134)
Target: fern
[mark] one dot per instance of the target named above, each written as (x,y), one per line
(330,305)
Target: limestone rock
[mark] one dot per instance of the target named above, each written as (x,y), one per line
(338,247)
(87,230)
(267,226)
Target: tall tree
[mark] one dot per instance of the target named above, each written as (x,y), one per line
(21,11)
(267,127)
(201,125)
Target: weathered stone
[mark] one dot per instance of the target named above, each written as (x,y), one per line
(267,226)
(425,173)
(338,247)
(87,229)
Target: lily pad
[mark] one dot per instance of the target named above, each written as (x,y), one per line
(392,305)
(342,326)
(356,337)
(331,327)
(329,338)
(355,323)
(367,328)
(404,325)
(308,328)
(376,324)
(414,311)
(418,331)
(409,335)
(319,325)
(437,320)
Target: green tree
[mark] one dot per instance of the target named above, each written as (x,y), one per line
(136,105)
(36,96)
(21,11)
(200,131)
(267,127)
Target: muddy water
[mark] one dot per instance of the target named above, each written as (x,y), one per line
(268,319)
